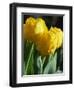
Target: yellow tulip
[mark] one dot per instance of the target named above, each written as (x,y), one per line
(59,34)
(47,43)
(29,27)
(33,28)
(50,41)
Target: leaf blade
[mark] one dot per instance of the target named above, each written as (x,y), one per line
(51,65)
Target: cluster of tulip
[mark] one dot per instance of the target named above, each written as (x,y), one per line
(46,40)
(41,47)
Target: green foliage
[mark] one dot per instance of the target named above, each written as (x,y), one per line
(29,58)
(34,63)
(39,65)
(51,65)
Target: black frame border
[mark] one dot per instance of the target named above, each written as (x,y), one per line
(12,41)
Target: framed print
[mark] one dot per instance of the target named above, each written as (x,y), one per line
(40,44)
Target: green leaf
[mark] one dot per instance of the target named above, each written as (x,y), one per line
(29,63)
(51,65)
(27,47)
(39,65)
(60,58)
(35,61)
(23,68)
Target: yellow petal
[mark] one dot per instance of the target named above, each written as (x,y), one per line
(29,27)
(59,35)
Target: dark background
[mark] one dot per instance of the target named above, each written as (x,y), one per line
(50,20)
